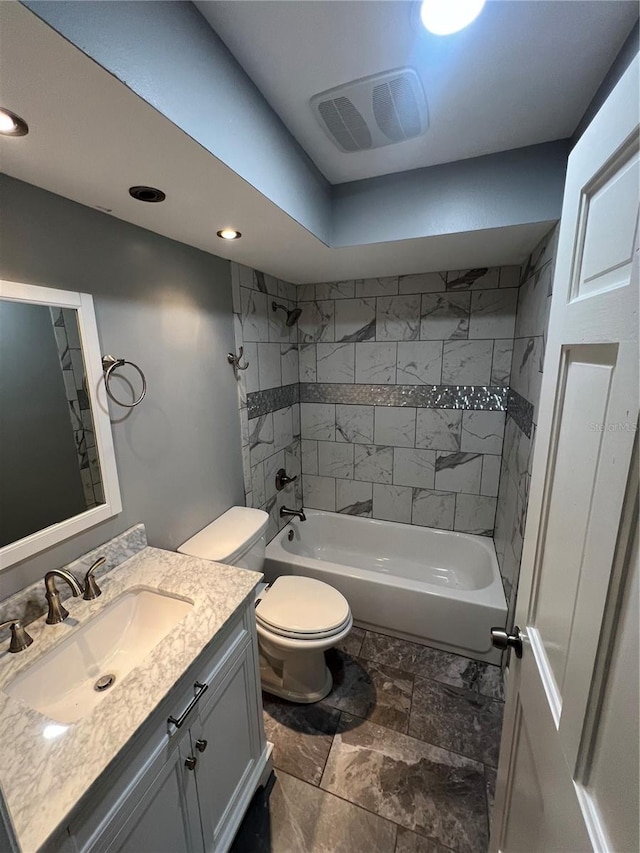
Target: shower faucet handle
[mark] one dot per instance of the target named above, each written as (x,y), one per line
(283,479)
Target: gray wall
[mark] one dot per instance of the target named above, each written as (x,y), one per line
(496,191)
(167,307)
(623,60)
(169,55)
(39,470)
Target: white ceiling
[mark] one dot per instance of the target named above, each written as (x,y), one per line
(545,59)
(91,138)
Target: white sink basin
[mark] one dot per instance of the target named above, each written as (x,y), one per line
(62,684)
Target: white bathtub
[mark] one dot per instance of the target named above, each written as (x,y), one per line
(435,587)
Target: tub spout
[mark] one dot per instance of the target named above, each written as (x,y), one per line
(285,512)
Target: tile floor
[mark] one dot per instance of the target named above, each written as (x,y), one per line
(399,758)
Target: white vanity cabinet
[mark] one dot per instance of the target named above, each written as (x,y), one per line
(185,789)
(166,818)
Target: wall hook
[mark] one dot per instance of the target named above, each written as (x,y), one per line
(235,360)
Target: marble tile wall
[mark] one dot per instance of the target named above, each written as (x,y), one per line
(267,391)
(403,384)
(65,328)
(532,318)
(389,395)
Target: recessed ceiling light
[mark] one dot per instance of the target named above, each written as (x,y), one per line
(11,124)
(229,234)
(443,17)
(148,194)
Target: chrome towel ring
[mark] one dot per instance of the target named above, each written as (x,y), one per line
(109,364)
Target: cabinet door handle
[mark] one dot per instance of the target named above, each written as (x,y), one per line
(201,745)
(200,689)
(191,762)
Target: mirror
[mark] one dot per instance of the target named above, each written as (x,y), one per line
(57,467)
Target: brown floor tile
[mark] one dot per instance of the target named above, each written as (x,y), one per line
(370,690)
(294,817)
(491,778)
(456,719)
(301,736)
(433,663)
(409,842)
(437,793)
(352,643)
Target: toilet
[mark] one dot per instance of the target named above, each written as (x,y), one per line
(297,618)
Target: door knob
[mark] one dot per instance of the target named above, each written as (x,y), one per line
(502,640)
(201,745)
(191,762)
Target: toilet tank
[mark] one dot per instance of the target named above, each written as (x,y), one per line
(238,538)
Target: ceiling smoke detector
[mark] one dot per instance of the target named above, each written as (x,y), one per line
(373,111)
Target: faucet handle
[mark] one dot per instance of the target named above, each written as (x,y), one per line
(20,640)
(91,588)
(283,479)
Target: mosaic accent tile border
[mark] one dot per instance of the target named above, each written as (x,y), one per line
(262,402)
(521,410)
(491,398)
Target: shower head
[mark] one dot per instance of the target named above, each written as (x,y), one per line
(292,315)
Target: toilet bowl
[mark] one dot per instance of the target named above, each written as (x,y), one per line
(297,618)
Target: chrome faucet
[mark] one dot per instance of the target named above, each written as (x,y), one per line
(20,640)
(57,611)
(285,512)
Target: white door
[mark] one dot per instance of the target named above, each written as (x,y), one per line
(568,774)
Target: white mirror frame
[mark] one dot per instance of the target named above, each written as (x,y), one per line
(55,533)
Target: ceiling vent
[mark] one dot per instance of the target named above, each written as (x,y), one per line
(373,111)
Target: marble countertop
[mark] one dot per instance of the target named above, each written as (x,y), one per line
(47,767)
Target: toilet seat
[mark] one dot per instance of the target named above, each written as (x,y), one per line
(293,635)
(301,608)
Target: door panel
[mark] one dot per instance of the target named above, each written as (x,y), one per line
(608,251)
(566,722)
(583,405)
(166,820)
(227,723)
(543,806)
(615,791)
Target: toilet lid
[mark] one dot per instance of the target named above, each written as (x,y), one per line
(302,606)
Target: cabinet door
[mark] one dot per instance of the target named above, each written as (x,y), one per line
(166,819)
(229,723)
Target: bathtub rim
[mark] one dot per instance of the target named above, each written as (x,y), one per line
(279,561)
(485,594)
